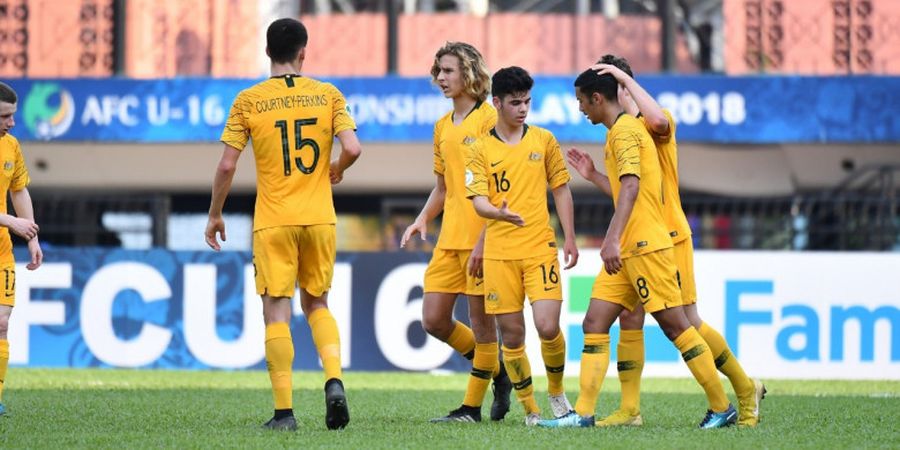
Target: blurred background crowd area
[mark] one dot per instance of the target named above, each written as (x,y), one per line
(808,195)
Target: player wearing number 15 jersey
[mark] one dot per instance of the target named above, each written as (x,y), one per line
(292,121)
(511,170)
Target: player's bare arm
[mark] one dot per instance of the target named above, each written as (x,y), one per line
(476,258)
(433,206)
(221,185)
(485,209)
(582,162)
(21,201)
(651,110)
(611,251)
(350,151)
(565,210)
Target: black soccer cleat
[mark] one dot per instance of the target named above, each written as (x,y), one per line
(288,423)
(337,415)
(502,388)
(468,414)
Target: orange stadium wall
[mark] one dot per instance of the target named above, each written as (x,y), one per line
(822,37)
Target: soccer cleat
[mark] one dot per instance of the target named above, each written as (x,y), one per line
(2,409)
(722,419)
(749,407)
(337,415)
(621,418)
(532,419)
(467,414)
(502,388)
(288,423)
(571,420)
(560,405)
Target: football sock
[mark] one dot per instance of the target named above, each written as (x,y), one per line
(698,358)
(594,364)
(462,339)
(630,364)
(554,355)
(328,341)
(519,371)
(4,363)
(483,367)
(725,360)
(282,413)
(279,360)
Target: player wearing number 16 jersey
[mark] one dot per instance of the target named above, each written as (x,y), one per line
(511,170)
(292,121)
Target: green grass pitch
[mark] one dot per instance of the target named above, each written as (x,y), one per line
(201,409)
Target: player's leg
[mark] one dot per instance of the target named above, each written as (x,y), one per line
(541,277)
(316,270)
(275,264)
(655,279)
(5,312)
(749,392)
(630,365)
(443,282)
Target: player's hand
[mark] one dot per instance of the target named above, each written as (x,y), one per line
(215,225)
(611,255)
(570,252)
(419,226)
(616,72)
(509,216)
(26,228)
(582,162)
(37,255)
(336,176)
(476,260)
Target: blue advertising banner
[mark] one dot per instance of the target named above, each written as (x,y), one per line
(713,109)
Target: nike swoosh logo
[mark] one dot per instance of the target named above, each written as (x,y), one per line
(495,164)
(644,302)
(549,288)
(479,283)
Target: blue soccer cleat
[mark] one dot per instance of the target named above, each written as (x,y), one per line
(722,419)
(571,420)
(2,409)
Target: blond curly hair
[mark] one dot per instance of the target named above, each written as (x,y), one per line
(474,71)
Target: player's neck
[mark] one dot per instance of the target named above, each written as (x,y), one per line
(462,106)
(611,115)
(509,133)
(282,69)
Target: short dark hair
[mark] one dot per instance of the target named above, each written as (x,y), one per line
(590,81)
(617,61)
(284,39)
(511,80)
(7,94)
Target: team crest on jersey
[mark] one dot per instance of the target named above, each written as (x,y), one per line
(8,165)
(469,140)
(534,156)
(493,297)
(470,177)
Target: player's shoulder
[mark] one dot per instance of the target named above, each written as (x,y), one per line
(9,139)
(540,133)
(444,120)
(627,125)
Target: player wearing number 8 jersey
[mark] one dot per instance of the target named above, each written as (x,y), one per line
(292,121)
(511,170)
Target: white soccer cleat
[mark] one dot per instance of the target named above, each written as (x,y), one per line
(560,405)
(532,419)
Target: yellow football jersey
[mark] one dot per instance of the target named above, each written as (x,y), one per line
(461,226)
(630,151)
(519,174)
(292,121)
(14,178)
(667,149)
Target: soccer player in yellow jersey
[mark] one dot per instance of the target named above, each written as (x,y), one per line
(510,170)
(14,179)
(292,121)
(460,72)
(661,126)
(638,260)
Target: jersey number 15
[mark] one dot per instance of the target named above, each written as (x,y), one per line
(299,143)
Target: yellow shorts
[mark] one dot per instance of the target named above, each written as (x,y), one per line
(448,273)
(651,279)
(507,282)
(684,261)
(8,282)
(282,256)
